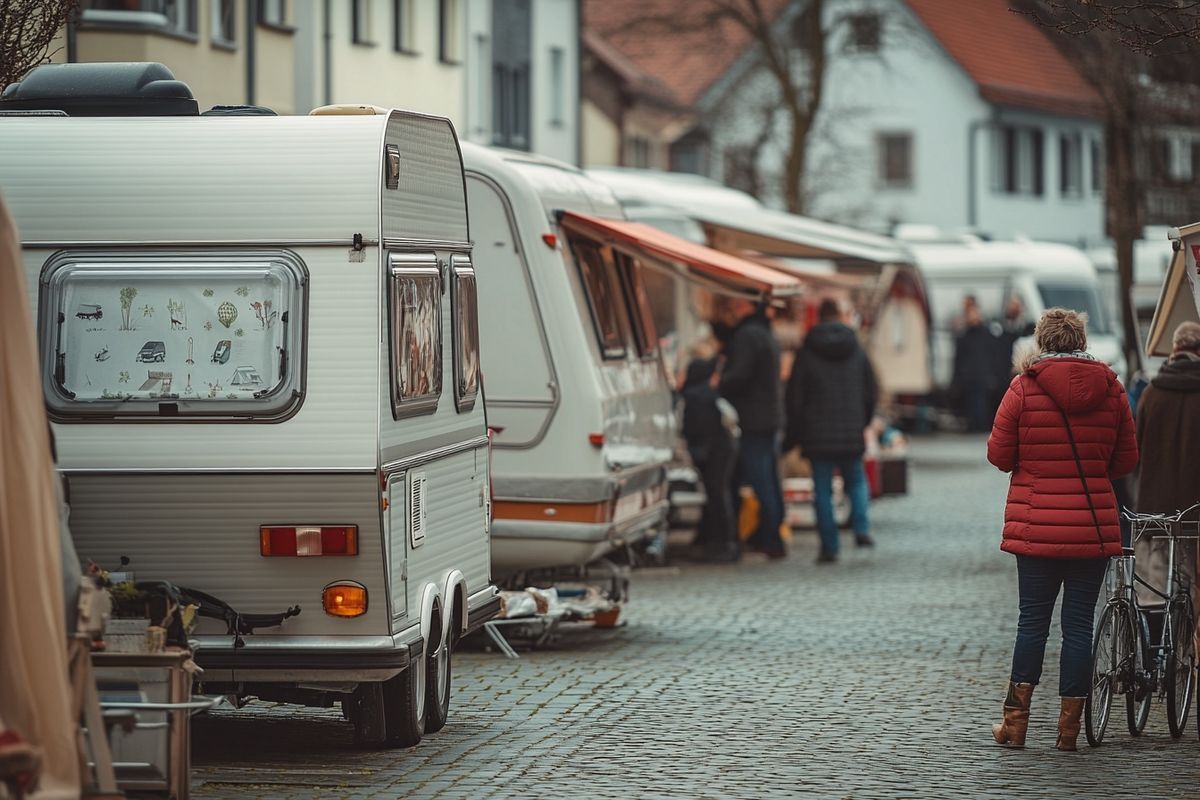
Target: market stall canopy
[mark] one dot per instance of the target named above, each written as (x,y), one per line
(1177,300)
(718,271)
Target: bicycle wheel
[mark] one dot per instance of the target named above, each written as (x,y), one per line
(1181,663)
(1140,696)
(1112,655)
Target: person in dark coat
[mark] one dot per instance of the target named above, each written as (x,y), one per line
(831,397)
(1061,517)
(1168,430)
(750,381)
(974,368)
(711,436)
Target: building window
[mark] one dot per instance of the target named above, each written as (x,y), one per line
(512,38)
(402,27)
(361,29)
(1019,164)
(895,160)
(865,33)
(450,31)
(557,86)
(1097,167)
(604,298)
(1070,165)
(154,336)
(272,12)
(172,16)
(639,152)
(741,169)
(415,321)
(224,22)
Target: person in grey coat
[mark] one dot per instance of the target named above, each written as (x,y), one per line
(831,397)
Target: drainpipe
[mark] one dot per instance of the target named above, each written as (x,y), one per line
(579,83)
(327,51)
(72,45)
(251,35)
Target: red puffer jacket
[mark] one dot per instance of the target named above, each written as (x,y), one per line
(1047,513)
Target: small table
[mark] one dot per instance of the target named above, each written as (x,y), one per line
(150,756)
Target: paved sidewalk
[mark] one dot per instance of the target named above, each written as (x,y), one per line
(875,678)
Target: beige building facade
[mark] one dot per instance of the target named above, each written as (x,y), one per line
(227,51)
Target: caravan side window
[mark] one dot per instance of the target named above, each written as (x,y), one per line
(415,322)
(603,294)
(175,335)
(466,333)
(641,315)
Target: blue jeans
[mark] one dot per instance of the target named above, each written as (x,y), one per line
(854,478)
(1039,580)
(758,467)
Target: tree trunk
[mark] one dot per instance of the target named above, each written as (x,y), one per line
(1123,201)
(793,181)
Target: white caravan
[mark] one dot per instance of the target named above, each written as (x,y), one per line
(260,353)
(576,390)
(1041,274)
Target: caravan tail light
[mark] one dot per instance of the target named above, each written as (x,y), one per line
(302,540)
(596,439)
(345,599)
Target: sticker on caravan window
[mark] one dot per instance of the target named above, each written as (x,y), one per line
(200,334)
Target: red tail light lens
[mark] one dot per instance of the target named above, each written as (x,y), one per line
(308,540)
(596,439)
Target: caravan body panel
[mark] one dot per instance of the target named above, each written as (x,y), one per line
(550,388)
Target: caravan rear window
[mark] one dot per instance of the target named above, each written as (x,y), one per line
(466,333)
(603,294)
(415,312)
(173,335)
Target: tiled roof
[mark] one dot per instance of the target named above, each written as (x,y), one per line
(633,77)
(667,39)
(1010,59)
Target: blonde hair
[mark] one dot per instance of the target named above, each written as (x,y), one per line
(1186,337)
(1061,330)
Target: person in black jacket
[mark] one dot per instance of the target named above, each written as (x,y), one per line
(831,398)
(975,378)
(750,381)
(712,443)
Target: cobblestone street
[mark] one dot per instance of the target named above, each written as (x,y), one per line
(877,677)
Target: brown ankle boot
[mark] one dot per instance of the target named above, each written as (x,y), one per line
(1068,722)
(1011,732)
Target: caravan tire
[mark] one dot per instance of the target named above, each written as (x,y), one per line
(365,710)
(437,698)
(404,705)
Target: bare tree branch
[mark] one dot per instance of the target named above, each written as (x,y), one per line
(27,28)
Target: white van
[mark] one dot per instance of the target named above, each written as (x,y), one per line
(1041,274)
(577,393)
(312,438)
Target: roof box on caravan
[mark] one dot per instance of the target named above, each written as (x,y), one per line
(124,89)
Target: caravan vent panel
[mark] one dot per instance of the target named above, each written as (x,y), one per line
(416,508)
(431,203)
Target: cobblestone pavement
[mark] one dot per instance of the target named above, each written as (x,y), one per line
(877,677)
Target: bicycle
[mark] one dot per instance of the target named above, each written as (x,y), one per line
(1124,660)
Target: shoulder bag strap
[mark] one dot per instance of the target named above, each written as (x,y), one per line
(1078,464)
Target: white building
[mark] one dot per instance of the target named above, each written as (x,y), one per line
(962,115)
(522,82)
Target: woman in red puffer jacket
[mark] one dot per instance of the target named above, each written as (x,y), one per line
(1064,430)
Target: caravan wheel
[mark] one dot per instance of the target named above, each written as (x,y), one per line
(404,705)
(437,700)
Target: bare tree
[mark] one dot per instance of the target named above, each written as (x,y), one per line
(27,29)
(1110,42)
(794,55)
(1144,26)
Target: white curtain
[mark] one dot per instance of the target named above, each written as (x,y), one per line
(35,698)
